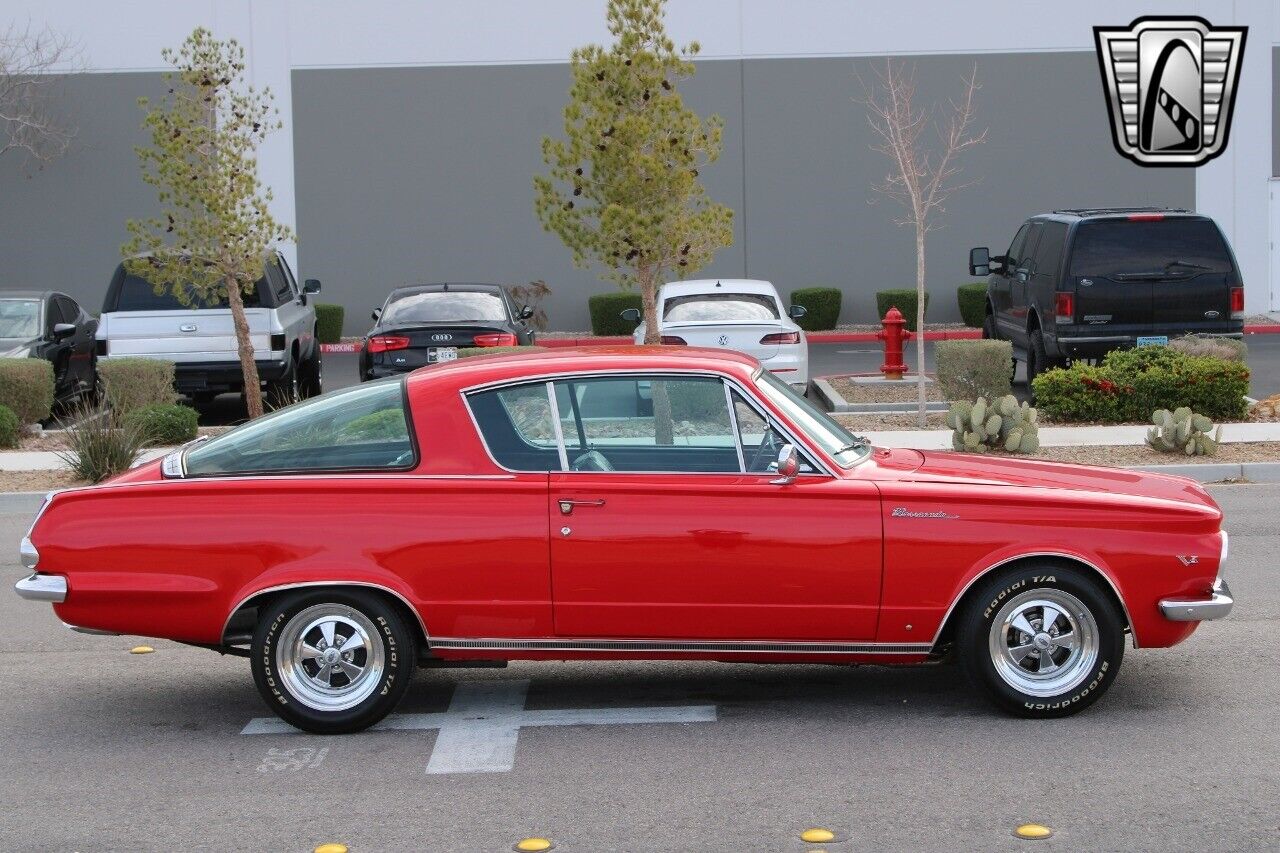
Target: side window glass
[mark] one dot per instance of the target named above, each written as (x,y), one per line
(279,284)
(760,441)
(656,424)
(1015,248)
(67,309)
(1027,261)
(1049,249)
(288,274)
(517,426)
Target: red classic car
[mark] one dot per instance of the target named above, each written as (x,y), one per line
(620,503)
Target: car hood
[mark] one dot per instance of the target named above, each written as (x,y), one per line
(987,469)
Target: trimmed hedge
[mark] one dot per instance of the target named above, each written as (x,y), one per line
(164,424)
(605,308)
(823,305)
(10,428)
(1131,384)
(973,303)
(968,370)
(26,388)
(468,352)
(329,322)
(131,383)
(905,300)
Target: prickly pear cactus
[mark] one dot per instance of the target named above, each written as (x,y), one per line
(1005,424)
(1182,430)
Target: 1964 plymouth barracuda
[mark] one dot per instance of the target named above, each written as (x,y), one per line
(620,503)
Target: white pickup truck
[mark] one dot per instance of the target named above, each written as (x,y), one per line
(137,322)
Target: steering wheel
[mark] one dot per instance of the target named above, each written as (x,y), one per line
(767,445)
(592,460)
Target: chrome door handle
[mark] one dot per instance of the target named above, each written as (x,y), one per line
(567,505)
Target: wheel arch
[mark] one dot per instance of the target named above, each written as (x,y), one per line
(247,606)
(946,631)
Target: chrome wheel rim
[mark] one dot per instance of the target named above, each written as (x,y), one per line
(1044,642)
(330,657)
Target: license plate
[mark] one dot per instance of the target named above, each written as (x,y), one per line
(1154,341)
(444,354)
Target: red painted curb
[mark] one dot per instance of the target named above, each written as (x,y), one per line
(1263,329)
(582,342)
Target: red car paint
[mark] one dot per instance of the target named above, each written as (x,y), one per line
(864,565)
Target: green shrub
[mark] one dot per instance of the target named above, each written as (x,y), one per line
(10,428)
(100,443)
(968,370)
(26,388)
(329,322)
(1230,349)
(1130,384)
(605,309)
(467,352)
(131,383)
(904,300)
(1182,431)
(973,303)
(1002,425)
(822,304)
(165,424)
(377,426)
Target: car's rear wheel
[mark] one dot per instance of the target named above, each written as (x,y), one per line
(286,390)
(332,661)
(311,380)
(1044,641)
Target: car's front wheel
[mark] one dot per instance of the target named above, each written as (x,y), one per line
(332,661)
(1044,641)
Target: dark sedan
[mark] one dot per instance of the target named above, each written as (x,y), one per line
(428,323)
(52,326)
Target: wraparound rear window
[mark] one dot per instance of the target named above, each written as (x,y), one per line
(365,428)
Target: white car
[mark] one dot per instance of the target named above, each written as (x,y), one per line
(736,313)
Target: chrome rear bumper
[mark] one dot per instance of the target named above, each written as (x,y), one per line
(38,587)
(1216,607)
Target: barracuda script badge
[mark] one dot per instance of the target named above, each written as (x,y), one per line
(903,512)
(1171,85)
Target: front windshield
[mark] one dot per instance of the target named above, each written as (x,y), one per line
(721,307)
(445,306)
(841,445)
(19,318)
(361,428)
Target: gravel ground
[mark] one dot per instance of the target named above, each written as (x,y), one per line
(1128,454)
(874,423)
(37,481)
(854,392)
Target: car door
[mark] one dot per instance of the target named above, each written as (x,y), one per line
(1001,282)
(1020,285)
(58,351)
(677,531)
(80,355)
(289,308)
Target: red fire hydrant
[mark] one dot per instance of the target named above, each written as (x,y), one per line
(894,334)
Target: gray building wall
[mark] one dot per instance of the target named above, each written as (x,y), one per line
(425,174)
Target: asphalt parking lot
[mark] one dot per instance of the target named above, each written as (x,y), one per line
(104,750)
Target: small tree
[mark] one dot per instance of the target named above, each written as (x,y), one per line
(216,231)
(28,62)
(623,188)
(920,178)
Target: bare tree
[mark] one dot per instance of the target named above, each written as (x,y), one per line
(922,175)
(30,64)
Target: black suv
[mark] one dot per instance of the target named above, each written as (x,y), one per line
(1080,283)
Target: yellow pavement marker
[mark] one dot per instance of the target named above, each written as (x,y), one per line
(533,845)
(141,650)
(817,836)
(331,848)
(1032,831)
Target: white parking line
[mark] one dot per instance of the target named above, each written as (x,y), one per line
(479,732)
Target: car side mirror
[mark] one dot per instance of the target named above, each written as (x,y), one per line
(631,315)
(311,285)
(795,312)
(525,313)
(62,331)
(788,465)
(377,312)
(980,261)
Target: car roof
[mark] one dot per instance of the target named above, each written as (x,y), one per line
(539,361)
(1072,215)
(718,285)
(445,286)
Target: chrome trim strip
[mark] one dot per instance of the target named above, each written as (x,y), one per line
(1133,633)
(555,424)
(1223,554)
(265,590)
(699,646)
(1184,610)
(27,554)
(38,587)
(733,425)
(97,632)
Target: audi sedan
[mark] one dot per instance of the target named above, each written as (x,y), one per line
(621,503)
(428,323)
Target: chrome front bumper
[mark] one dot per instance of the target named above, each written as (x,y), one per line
(1216,607)
(38,587)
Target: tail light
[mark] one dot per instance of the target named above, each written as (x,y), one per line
(673,341)
(1237,302)
(781,338)
(1146,217)
(497,339)
(1064,307)
(383,343)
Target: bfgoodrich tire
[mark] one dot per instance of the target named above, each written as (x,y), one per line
(1042,640)
(332,661)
